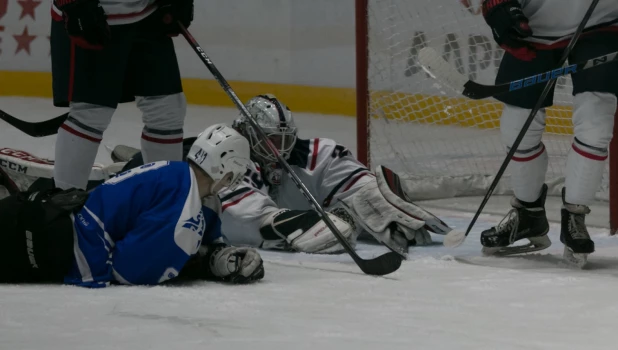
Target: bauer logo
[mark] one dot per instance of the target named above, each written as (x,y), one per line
(543,77)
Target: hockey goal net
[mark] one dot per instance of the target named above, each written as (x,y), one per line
(446,145)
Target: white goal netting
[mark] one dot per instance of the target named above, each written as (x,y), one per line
(425,130)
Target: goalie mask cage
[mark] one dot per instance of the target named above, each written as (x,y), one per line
(445,145)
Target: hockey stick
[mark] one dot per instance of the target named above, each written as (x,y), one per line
(381,265)
(442,71)
(35,129)
(455,238)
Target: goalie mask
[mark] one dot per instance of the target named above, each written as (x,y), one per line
(276,120)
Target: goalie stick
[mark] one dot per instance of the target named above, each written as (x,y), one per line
(444,72)
(381,265)
(35,129)
(456,238)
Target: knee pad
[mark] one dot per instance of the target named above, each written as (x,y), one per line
(88,120)
(511,122)
(163,115)
(593,120)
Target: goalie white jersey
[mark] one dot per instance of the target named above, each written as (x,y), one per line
(329,171)
(555,20)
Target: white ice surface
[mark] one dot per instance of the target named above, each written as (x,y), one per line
(439,298)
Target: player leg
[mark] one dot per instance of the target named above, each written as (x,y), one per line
(158,91)
(91,83)
(527,219)
(36,239)
(595,93)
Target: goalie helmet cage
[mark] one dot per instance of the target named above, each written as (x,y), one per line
(445,145)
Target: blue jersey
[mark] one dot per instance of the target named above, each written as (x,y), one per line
(141,227)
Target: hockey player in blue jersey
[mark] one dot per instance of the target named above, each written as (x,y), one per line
(144,226)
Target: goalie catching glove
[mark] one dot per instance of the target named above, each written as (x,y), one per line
(304,231)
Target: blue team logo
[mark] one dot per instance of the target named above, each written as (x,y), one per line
(200,156)
(197,224)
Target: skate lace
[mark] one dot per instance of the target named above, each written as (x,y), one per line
(577,227)
(508,224)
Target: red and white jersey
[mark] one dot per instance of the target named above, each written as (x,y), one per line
(329,171)
(553,21)
(120,11)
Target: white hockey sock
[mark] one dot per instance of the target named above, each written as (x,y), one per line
(161,145)
(584,173)
(528,172)
(76,150)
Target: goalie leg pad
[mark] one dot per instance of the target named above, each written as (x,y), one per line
(390,188)
(304,231)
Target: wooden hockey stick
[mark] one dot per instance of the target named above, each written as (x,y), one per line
(456,238)
(381,265)
(35,129)
(444,72)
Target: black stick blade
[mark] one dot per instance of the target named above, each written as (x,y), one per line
(382,265)
(35,129)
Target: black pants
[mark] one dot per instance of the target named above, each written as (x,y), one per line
(139,61)
(603,78)
(36,235)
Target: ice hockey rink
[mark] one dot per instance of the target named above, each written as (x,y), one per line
(439,299)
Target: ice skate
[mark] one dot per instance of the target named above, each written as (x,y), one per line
(522,222)
(574,234)
(122,153)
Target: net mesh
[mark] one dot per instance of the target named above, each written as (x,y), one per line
(425,130)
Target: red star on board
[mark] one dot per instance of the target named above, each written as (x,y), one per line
(23,41)
(28,7)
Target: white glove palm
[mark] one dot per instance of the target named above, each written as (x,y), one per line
(236,265)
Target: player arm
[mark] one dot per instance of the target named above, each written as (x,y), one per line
(336,173)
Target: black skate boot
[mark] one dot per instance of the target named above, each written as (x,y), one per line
(525,220)
(574,234)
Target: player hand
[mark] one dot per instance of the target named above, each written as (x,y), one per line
(173,11)
(236,265)
(509,26)
(85,22)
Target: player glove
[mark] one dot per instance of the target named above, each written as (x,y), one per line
(85,22)
(173,11)
(509,26)
(234,264)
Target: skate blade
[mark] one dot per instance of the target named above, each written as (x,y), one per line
(578,260)
(536,244)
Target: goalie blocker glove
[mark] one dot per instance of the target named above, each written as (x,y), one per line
(509,26)
(85,22)
(304,231)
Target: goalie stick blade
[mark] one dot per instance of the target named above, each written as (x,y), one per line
(382,265)
(441,70)
(35,129)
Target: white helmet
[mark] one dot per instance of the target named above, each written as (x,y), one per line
(223,154)
(276,120)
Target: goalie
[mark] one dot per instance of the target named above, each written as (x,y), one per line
(268,211)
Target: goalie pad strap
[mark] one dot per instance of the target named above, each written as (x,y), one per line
(336,189)
(389,184)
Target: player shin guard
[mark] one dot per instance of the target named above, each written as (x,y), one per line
(528,172)
(593,121)
(585,165)
(530,160)
(77,144)
(163,118)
